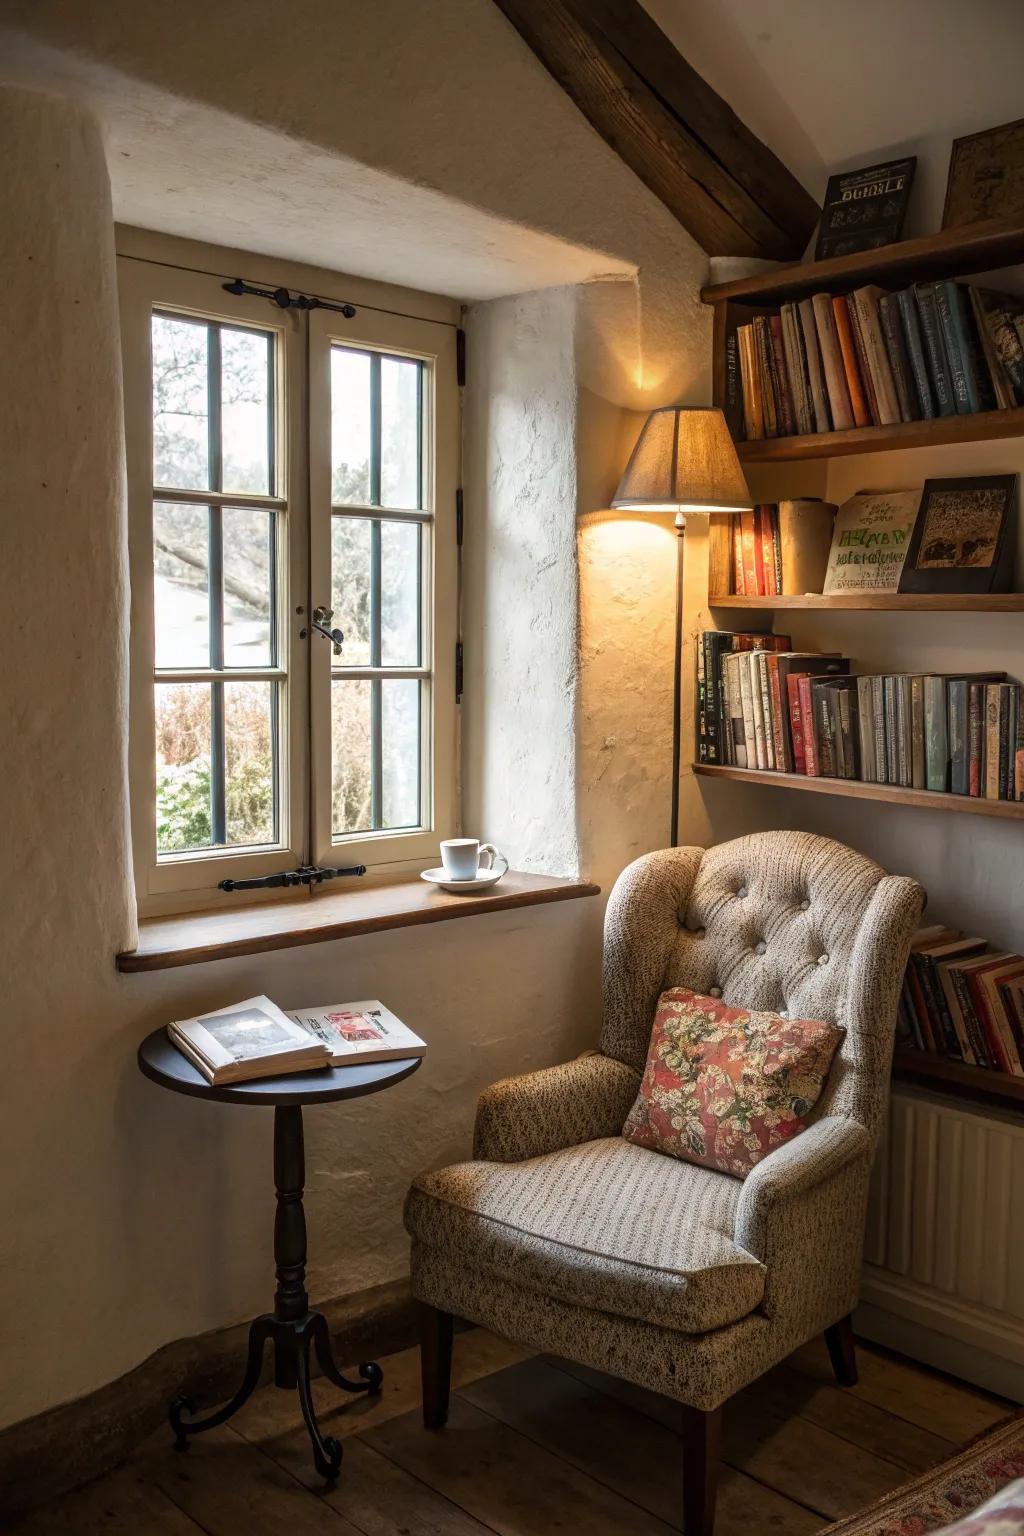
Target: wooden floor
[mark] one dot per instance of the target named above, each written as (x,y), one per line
(534,1447)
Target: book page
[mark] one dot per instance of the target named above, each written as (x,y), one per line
(351,1030)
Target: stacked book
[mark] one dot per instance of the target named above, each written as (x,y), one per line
(871,358)
(963,1000)
(764,706)
(781,548)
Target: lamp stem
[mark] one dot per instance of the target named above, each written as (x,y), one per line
(677,681)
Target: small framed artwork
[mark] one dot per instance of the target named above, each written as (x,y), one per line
(964,536)
(986,176)
(864,209)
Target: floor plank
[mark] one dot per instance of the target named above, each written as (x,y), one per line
(638,1458)
(229,1488)
(271,1411)
(123,1503)
(911,1392)
(506,1481)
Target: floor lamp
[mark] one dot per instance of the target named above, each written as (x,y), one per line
(684,461)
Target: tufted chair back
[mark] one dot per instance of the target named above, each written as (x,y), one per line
(786,921)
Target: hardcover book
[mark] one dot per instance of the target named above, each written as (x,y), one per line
(247,1040)
(365,1032)
(864,209)
(870,541)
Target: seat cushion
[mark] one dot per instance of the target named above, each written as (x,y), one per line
(606,1225)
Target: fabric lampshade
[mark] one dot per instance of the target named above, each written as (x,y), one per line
(684,461)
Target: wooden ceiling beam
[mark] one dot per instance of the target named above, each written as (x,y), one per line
(726,188)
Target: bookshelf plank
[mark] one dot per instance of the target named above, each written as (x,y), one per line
(957,1077)
(878,602)
(948,253)
(984,426)
(1012,810)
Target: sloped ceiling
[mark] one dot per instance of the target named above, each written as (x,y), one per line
(831,84)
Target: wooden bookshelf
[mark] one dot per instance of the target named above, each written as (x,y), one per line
(857,789)
(876,602)
(981,247)
(958,1078)
(984,426)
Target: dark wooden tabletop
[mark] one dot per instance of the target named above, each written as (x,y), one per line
(164,1064)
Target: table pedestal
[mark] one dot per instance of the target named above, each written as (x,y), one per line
(292,1328)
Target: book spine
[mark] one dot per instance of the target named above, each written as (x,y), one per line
(702,693)
(764,529)
(947,303)
(921,1008)
(954,1013)
(903,728)
(757,703)
(796,368)
(1013,1005)
(808,726)
(866,729)
(1001,385)
(783,757)
(860,347)
(943,1023)
(773,516)
(892,771)
(732,407)
(787,416)
(750,585)
(975,737)
(934,351)
(991,778)
(1018,756)
(878,718)
(915,353)
(765,368)
(735,697)
(846,704)
(832,364)
(858,399)
(983,1048)
(899,363)
(959,755)
(815,374)
(1005,343)
(752,427)
(936,734)
(766,708)
(825,734)
(866,306)
(993,1035)
(1004,741)
(796,723)
(917,745)
(759,572)
(747,710)
(738,582)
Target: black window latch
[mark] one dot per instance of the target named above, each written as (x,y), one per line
(306,874)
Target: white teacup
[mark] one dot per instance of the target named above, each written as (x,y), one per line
(463,857)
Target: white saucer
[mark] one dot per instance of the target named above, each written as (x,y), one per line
(482,881)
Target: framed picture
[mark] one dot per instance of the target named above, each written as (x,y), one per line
(864,209)
(964,536)
(986,176)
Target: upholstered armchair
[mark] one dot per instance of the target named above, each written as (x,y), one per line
(562,1235)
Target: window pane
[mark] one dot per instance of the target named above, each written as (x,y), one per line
(350,587)
(249,799)
(350,756)
(350,427)
(400,594)
(400,432)
(245,410)
(181,597)
(183,808)
(400,755)
(181,447)
(248,586)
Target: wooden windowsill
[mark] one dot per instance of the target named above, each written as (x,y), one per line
(200,936)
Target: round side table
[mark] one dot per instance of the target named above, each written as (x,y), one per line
(292,1328)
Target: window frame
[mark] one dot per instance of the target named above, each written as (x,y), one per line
(188,881)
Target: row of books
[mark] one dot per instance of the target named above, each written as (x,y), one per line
(782,548)
(871,358)
(764,706)
(963,1000)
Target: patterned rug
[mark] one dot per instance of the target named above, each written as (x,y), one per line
(948,1492)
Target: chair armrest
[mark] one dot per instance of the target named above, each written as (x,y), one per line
(556,1107)
(801,1212)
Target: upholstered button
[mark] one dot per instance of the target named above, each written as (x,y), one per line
(698,933)
(783,1013)
(760,947)
(714,991)
(742,891)
(823,959)
(804,905)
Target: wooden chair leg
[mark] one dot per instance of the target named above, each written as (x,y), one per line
(435,1364)
(839,1339)
(702,1441)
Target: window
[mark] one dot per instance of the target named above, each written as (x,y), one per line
(289,475)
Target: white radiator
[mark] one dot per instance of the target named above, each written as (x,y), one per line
(944,1275)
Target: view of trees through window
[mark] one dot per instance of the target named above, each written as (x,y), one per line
(216,741)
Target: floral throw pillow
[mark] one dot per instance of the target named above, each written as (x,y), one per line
(725,1086)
